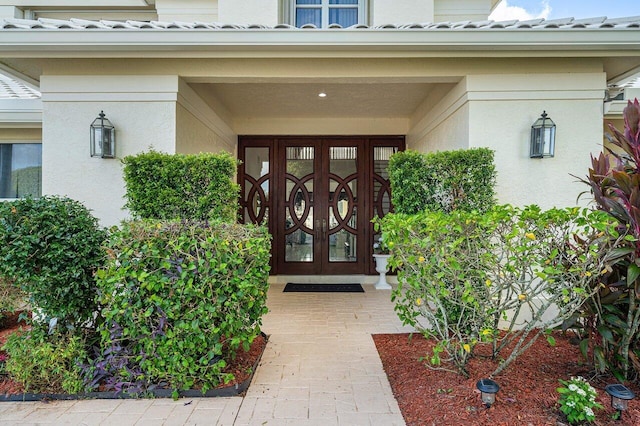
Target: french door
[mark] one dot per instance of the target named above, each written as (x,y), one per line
(317,195)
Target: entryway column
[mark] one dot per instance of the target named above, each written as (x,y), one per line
(502,109)
(143,111)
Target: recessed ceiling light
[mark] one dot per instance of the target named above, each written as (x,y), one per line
(322,95)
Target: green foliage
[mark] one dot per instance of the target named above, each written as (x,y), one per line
(442,181)
(27,182)
(614,312)
(195,187)
(46,363)
(181,298)
(50,247)
(11,298)
(577,400)
(465,276)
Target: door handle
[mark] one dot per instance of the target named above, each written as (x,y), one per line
(324,229)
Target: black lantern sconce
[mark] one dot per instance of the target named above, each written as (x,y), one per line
(620,397)
(103,137)
(488,390)
(543,137)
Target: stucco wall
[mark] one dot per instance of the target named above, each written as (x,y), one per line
(142,119)
(194,137)
(501,114)
(497,112)
(187,10)
(442,121)
(462,10)
(264,12)
(401,12)
(199,128)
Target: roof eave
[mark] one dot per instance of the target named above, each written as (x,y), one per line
(96,42)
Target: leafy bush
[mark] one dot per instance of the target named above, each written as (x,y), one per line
(11,298)
(194,187)
(465,276)
(50,247)
(613,316)
(179,299)
(442,181)
(46,363)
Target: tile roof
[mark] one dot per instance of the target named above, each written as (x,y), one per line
(13,89)
(81,24)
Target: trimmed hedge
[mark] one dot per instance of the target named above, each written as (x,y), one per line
(51,247)
(443,181)
(179,299)
(194,187)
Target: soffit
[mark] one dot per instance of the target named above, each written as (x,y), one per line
(297,100)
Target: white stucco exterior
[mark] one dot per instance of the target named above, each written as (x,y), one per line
(143,107)
(390,11)
(196,84)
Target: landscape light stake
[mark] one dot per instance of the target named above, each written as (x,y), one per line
(620,397)
(488,390)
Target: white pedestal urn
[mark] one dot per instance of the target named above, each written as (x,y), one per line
(381,268)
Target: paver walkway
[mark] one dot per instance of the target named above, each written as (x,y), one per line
(320,367)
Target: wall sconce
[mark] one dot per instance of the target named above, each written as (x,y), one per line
(620,397)
(103,137)
(543,137)
(488,390)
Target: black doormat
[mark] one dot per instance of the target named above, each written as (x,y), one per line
(323,288)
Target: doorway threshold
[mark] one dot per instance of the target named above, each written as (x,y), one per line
(328,279)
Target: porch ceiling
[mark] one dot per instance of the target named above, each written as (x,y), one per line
(301,100)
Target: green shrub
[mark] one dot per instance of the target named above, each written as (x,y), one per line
(179,299)
(51,247)
(442,181)
(11,298)
(193,187)
(464,276)
(46,363)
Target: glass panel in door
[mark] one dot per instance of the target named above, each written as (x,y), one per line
(342,209)
(299,207)
(257,173)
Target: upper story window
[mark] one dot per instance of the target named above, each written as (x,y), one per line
(323,13)
(20,170)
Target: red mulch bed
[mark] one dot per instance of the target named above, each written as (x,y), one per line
(527,393)
(241,366)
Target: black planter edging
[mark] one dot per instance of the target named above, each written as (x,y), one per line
(234,390)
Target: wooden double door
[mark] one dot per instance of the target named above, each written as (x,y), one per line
(317,195)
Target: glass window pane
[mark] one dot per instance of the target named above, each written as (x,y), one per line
(309,16)
(343,1)
(20,170)
(308,1)
(345,17)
